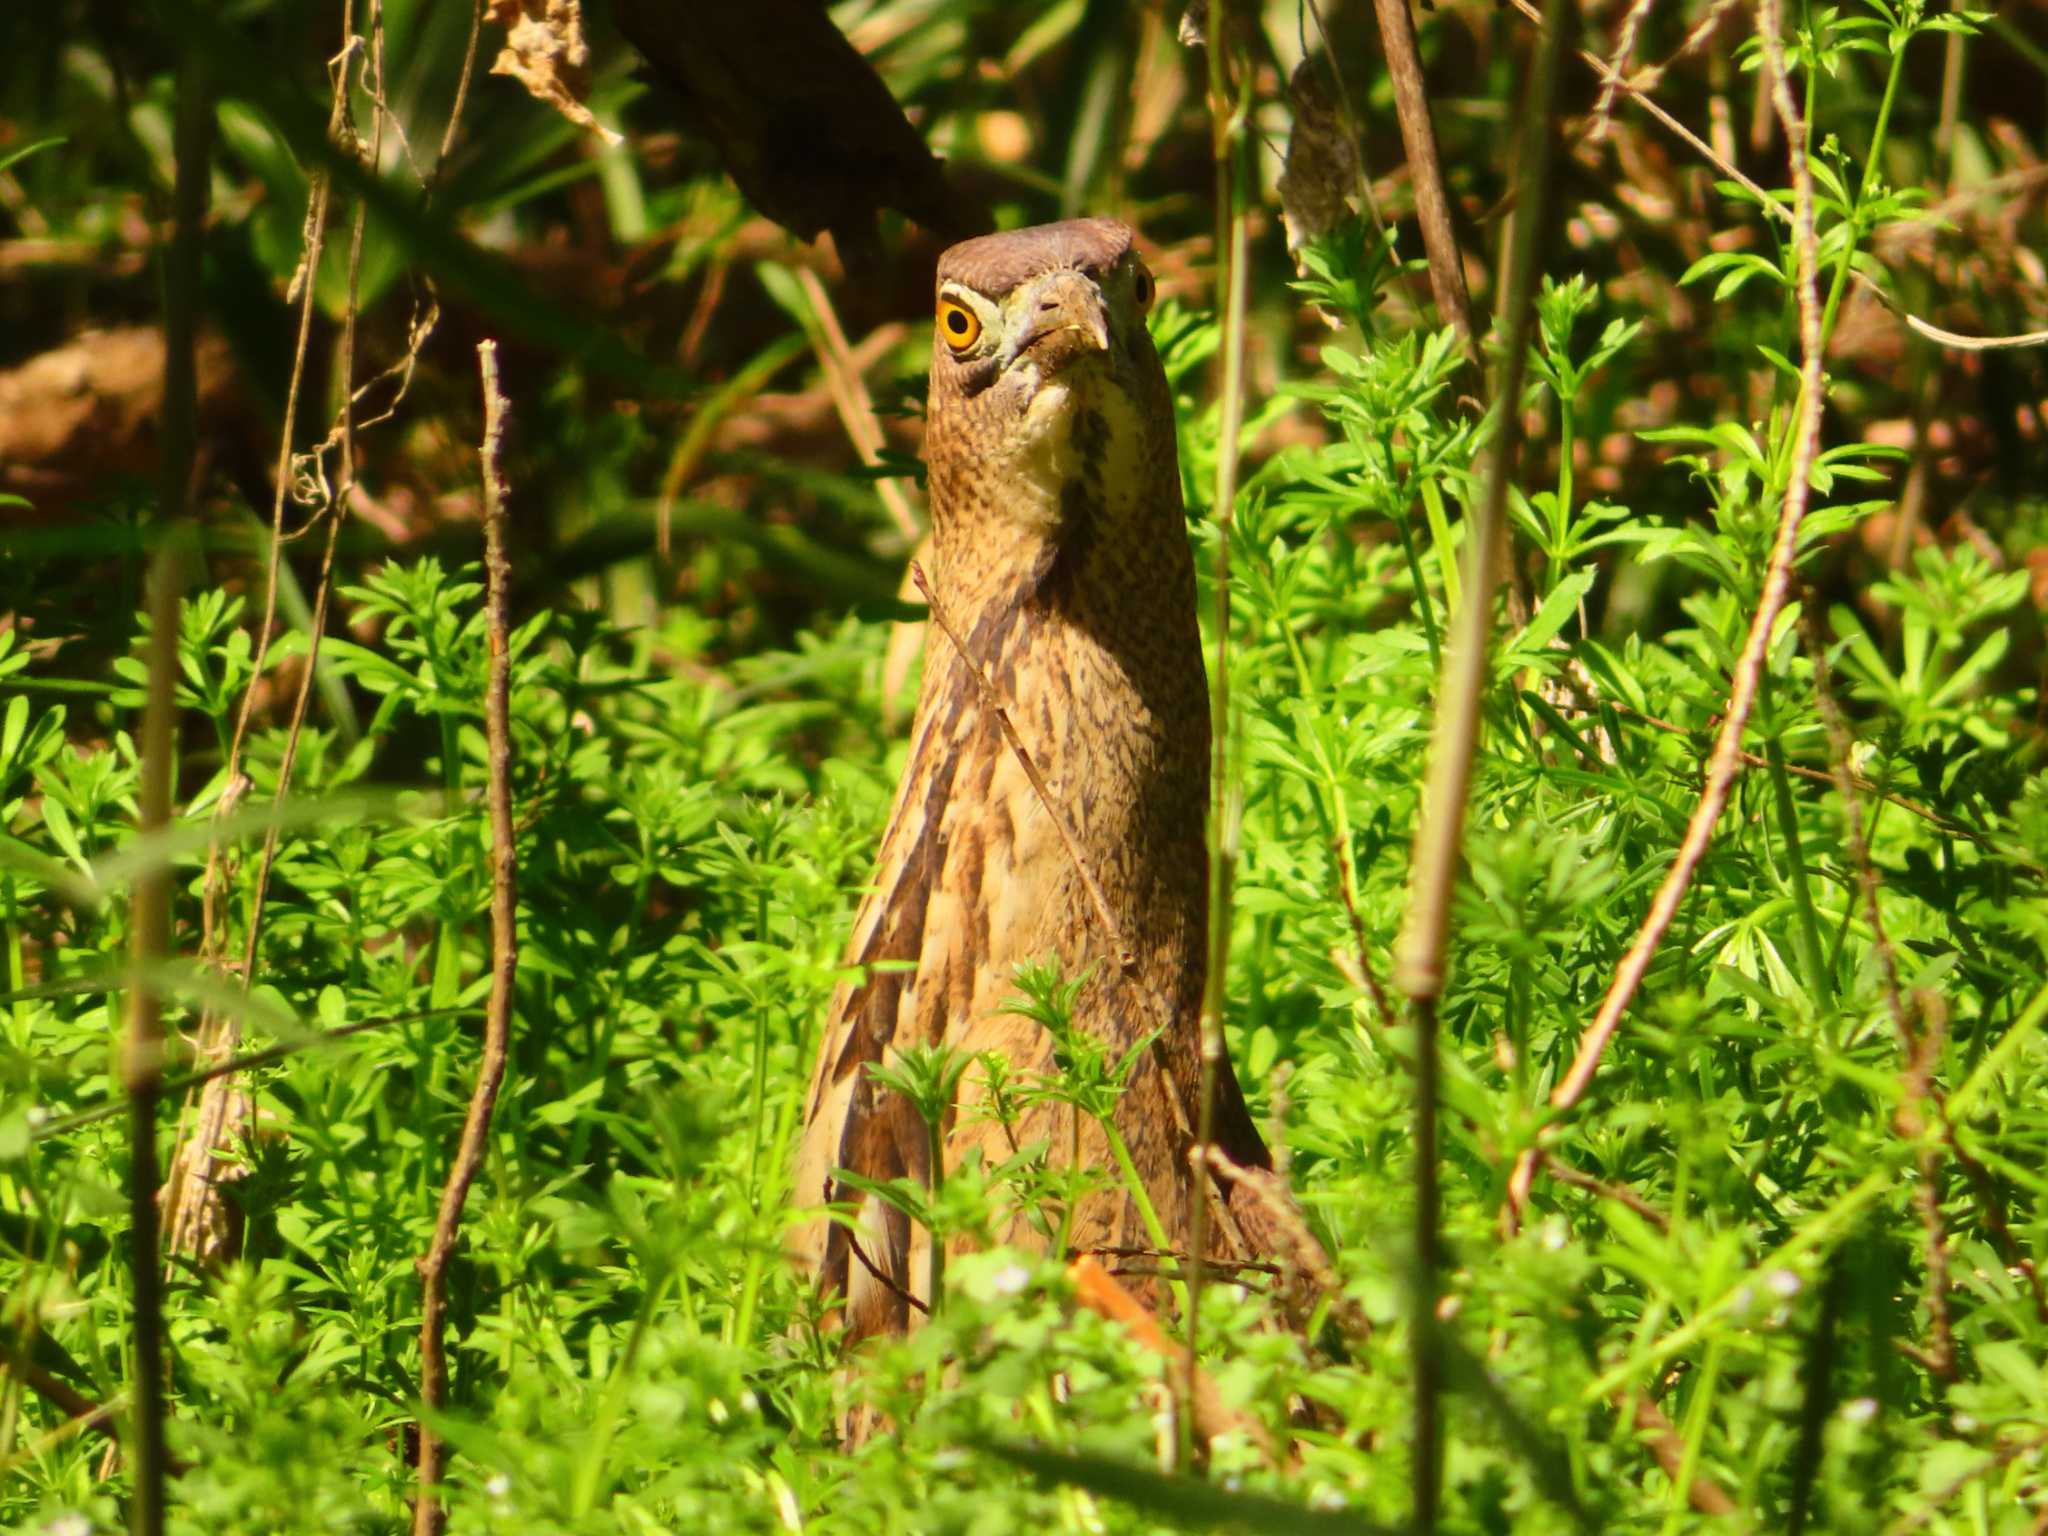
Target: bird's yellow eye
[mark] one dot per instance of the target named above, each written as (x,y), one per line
(960,325)
(1143,289)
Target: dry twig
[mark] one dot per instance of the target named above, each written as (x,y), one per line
(1725,761)
(1425,171)
(428,1515)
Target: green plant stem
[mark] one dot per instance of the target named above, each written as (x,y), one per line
(1865,186)
(1439,520)
(1155,1232)
(1422,608)
(1699,1415)
(1811,952)
(935,1149)
(1226,123)
(447,985)
(17,976)
(590,1463)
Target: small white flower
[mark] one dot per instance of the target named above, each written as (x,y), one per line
(1784,1283)
(1325,1498)
(70,1523)
(1860,1410)
(1965,1423)
(37,1114)
(1554,1236)
(1010,1280)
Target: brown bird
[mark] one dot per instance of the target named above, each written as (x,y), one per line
(1060,565)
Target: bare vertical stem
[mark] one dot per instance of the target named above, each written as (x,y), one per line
(428,1514)
(1226,122)
(1726,759)
(1425,170)
(142,1064)
(142,1059)
(1440,834)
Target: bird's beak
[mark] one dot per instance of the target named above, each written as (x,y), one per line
(1065,318)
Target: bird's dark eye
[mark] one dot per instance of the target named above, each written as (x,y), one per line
(960,325)
(1142,289)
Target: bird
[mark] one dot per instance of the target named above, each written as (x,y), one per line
(1065,647)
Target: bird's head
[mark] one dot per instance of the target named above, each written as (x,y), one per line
(1043,373)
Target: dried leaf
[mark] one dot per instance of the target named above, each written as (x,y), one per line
(1321,179)
(545,52)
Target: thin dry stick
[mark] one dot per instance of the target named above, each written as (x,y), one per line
(1621,1194)
(1425,170)
(1706,1497)
(142,1060)
(82,1414)
(142,1066)
(192,1200)
(850,398)
(1725,761)
(1226,127)
(218,1033)
(1841,745)
(1440,834)
(428,1515)
(1624,50)
(993,703)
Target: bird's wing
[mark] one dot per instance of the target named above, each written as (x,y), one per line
(849,1122)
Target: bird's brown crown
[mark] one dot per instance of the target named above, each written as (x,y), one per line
(994,264)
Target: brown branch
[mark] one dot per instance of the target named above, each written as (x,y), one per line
(428,1515)
(1624,50)
(1923,1053)
(888,1282)
(1921,1050)
(1621,1194)
(142,1068)
(993,703)
(1425,171)
(1725,761)
(1706,1497)
(1419,962)
(851,400)
(83,1413)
